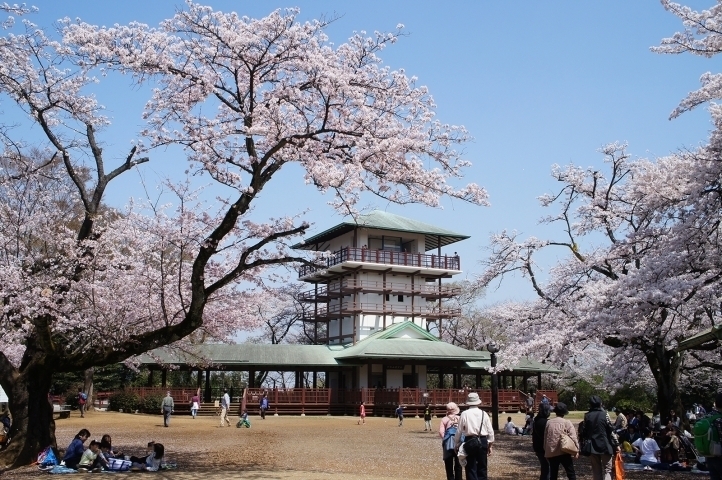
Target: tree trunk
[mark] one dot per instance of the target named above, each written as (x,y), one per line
(33,427)
(665,365)
(88,388)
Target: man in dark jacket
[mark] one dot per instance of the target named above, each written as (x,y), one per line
(537,439)
(599,432)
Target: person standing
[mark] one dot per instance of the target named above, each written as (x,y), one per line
(427,418)
(537,439)
(263,405)
(574,401)
(475,425)
(166,408)
(362,414)
(82,400)
(195,404)
(400,415)
(225,406)
(451,459)
(599,431)
(530,402)
(555,428)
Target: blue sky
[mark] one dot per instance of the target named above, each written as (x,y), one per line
(535,83)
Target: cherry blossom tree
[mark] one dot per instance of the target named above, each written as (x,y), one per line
(86,286)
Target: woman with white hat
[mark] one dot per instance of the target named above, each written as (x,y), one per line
(450,423)
(475,425)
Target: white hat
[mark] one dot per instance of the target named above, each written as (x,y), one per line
(473,399)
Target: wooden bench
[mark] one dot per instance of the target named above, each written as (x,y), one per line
(61,411)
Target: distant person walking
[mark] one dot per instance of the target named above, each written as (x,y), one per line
(263,405)
(449,424)
(225,406)
(195,404)
(82,400)
(362,414)
(400,415)
(574,401)
(599,431)
(555,428)
(476,426)
(166,408)
(427,418)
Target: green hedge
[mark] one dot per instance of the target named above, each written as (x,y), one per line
(126,401)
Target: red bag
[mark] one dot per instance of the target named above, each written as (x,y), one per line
(618,466)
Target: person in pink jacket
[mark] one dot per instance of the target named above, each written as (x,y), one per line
(451,460)
(552,450)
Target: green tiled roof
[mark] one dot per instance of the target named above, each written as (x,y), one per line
(403,340)
(381,220)
(705,336)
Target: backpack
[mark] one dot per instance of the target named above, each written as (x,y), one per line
(47,458)
(707,433)
(82,397)
(448,443)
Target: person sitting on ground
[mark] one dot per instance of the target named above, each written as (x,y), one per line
(243,421)
(647,448)
(510,428)
(528,423)
(628,437)
(106,446)
(92,459)
(656,420)
(153,461)
(674,418)
(671,448)
(643,421)
(75,450)
(149,451)
(620,423)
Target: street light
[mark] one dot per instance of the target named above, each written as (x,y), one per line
(492,348)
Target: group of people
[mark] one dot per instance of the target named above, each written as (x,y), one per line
(100,456)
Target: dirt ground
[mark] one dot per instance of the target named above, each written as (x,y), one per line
(301,448)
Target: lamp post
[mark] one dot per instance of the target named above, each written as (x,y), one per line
(492,348)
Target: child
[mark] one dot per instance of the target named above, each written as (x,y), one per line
(243,421)
(106,446)
(152,461)
(400,415)
(92,459)
(427,418)
(139,461)
(362,414)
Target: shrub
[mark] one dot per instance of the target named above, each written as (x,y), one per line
(126,401)
(150,403)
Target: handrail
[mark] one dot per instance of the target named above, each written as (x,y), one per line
(384,257)
(422,289)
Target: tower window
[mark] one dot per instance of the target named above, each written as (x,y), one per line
(401,298)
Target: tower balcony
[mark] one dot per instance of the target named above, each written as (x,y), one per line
(345,309)
(347,286)
(402,262)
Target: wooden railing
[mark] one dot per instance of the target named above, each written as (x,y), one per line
(337,288)
(315,401)
(343,309)
(384,257)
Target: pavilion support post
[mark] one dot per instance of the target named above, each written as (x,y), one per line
(441,378)
(538,381)
(199,378)
(150,377)
(513,382)
(525,383)
(164,378)
(478,380)
(315,379)
(207,392)
(503,381)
